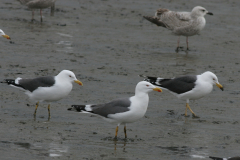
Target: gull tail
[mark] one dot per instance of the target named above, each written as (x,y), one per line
(154,80)
(81,108)
(12,82)
(156,21)
(9,81)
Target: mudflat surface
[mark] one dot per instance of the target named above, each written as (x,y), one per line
(107,44)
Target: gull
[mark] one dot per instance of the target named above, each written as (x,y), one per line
(181,23)
(4,35)
(124,110)
(49,88)
(38,4)
(188,87)
(229,158)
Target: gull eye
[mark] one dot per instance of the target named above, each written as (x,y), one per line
(147,85)
(214,79)
(70,76)
(203,10)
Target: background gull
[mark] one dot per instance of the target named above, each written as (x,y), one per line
(38,4)
(4,35)
(229,158)
(122,111)
(181,23)
(49,88)
(189,87)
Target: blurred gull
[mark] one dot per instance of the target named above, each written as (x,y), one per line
(38,4)
(181,23)
(4,35)
(229,158)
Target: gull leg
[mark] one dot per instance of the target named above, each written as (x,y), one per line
(41,14)
(32,15)
(36,109)
(125,131)
(116,132)
(49,115)
(194,115)
(52,9)
(178,44)
(187,43)
(186,111)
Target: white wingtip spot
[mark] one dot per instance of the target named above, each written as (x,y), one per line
(17,80)
(88,108)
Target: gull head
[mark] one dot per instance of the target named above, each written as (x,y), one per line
(4,35)
(212,78)
(67,75)
(200,11)
(146,87)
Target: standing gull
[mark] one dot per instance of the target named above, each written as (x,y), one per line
(181,23)
(189,87)
(124,110)
(4,35)
(38,4)
(49,88)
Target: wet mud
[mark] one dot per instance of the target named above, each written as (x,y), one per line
(107,44)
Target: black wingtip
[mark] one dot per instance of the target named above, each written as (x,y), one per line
(69,109)
(141,75)
(215,158)
(210,13)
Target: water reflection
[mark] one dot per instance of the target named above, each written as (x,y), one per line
(56,149)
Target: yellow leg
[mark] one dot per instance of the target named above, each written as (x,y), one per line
(36,109)
(116,132)
(191,110)
(125,131)
(49,115)
(186,110)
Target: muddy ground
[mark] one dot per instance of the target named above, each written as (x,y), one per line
(107,44)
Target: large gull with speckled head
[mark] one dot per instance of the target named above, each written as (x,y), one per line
(124,110)
(189,87)
(49,88)
(181,23)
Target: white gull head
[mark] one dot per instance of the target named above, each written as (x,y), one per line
(68,76)
(199,11)
(146,87)
(211,78)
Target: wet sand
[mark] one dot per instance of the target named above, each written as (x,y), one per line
(107,44)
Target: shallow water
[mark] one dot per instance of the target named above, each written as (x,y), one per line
(107,44)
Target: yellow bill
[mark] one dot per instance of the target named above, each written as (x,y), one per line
(6,36)
(78,82)
(219,86)
(157,89)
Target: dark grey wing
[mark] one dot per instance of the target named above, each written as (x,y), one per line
(180,84)
(113,107)
(32,84)
(234,158)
